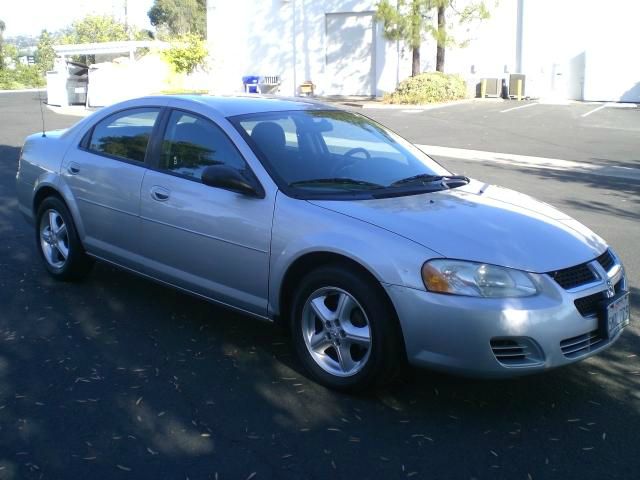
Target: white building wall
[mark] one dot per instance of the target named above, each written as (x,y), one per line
(576,49)
(581,49)
(249,37)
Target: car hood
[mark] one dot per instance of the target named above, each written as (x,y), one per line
(483,223)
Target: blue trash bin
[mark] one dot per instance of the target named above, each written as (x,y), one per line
(250,83)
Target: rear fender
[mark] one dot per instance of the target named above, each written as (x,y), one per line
(53,181)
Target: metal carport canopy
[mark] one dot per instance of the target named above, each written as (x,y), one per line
(106,47)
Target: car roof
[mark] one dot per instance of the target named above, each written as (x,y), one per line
(229,106)
(223,105)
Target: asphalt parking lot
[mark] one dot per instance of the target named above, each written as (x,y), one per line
(118,377)
(584,132)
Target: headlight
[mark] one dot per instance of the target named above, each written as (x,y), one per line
(476,279)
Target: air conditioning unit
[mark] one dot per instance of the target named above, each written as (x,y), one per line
(493,87)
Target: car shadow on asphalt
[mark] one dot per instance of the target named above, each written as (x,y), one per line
(629,207)
(130,371)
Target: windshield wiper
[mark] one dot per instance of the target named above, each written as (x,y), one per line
(427,178)
(336,181)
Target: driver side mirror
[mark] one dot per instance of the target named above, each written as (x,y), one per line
(227,178)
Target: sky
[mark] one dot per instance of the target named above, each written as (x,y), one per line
(30,17)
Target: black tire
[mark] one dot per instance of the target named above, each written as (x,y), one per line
(385,354)
(77,263)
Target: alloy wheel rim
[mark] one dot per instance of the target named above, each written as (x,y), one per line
(54,239)
(336,331)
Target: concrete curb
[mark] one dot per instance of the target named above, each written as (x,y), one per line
(528,161)
(24,90)
(372,105)
(73,111)
(429,106)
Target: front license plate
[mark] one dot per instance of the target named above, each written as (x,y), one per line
(618,315)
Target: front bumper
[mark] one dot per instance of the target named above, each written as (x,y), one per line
(480,337)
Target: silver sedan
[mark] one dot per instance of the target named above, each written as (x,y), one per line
(367,250)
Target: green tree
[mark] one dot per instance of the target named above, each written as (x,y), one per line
(95,28)
(409,20)
(179,17)
(11,52)
(45,55)
(99,28)
(3,26)
(187,53)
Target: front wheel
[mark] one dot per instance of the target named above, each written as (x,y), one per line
(344,329)
(58,243)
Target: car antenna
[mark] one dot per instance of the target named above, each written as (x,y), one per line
(41,112)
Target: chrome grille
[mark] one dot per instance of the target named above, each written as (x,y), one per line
(590,305)
(606,260)
(618,287)
(582,344)
(579,275)
(574,276)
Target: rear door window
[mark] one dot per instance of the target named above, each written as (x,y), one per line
(125,134)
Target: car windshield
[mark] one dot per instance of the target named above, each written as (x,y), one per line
(338,152)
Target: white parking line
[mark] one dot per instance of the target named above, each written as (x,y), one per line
(593,111)
(517,108)
(627,173)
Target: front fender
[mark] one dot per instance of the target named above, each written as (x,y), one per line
(301,228)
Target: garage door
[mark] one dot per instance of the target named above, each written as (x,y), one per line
(349,54)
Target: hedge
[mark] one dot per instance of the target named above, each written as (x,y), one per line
(23,76)
(429,88)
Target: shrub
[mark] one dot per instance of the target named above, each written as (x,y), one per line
(187,53)
(7,80)
(24,76)
(429,88)
(30,76)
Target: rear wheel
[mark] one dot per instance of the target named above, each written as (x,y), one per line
(344,330)
(58,243)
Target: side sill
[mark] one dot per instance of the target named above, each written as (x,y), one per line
(182,289)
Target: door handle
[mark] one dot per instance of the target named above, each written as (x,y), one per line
(160,194)
(73,168)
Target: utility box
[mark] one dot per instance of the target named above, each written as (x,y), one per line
(307,88)
(513,85)
(67,84)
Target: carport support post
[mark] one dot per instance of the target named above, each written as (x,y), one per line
(519,89)
(64,101)
(483,88)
